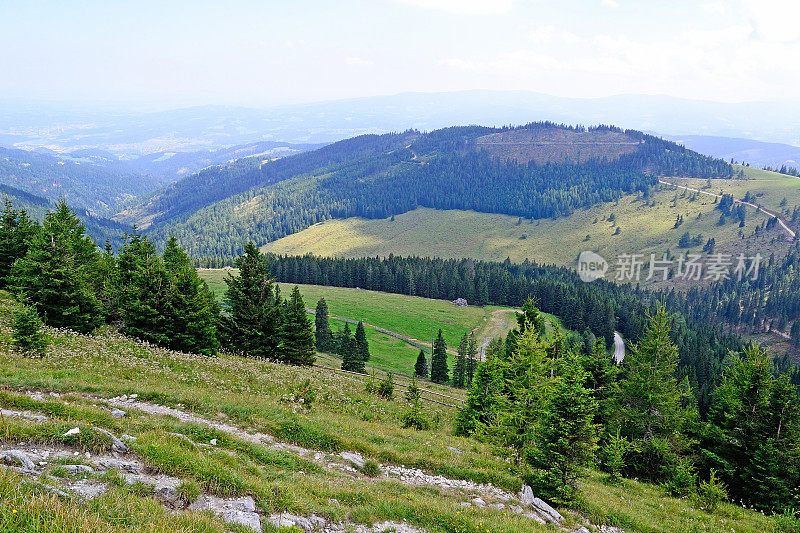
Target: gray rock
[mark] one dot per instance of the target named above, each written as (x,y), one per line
(118,413)
(243,518)
(109,463)
(548,512)
(220,505)
(88,489)
(517,509)
(19,457)
(167,494)
(116,444)
(497,506)
(354,458)
(466,504)
(127,438)
(582,530)
(455,450)
(478,502)
(78,469)
(71,432)
(526,496)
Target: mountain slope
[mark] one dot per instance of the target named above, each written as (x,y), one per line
(85,186)
(215,211)
(755,153)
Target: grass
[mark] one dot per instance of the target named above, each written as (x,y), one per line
(457,234)
(411,316)
(256,395)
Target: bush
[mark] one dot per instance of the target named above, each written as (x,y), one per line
(787,522)
(683,481)
(371,468)
(27,330)
(614,453)
(710,493)
(386,386)
(415,418)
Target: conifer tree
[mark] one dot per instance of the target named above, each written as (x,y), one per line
(472,359)
(652,410)
(362,347)
(421,366)
(252,324)
(15,231)
(348,350)
(485,399)
(439,371)
(144,290)
(565,437)
(297,339)
(460,367)
(192,312)
(601,381)
(55,275)
(27,330)
(322,335)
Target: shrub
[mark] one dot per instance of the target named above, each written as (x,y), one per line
(413,393)
(710,493)
(386,386)
(684,481)
(415,418)
(371,468)
(27,330)
(614,453)
(787,522)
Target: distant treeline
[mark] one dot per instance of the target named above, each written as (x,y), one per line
(601,307)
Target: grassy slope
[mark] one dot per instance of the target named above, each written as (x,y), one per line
(411,316)
(253,394)
(457,234)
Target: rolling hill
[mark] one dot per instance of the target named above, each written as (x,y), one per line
(537,171)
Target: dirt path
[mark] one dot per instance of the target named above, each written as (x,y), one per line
(498,324)
(755,206)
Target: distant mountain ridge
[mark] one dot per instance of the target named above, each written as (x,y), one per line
(217,210)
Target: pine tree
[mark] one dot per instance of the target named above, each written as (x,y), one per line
(362,347)
(15,231)
(192,313)
(322,334)
(347,349)
(144,290)
(421,366)
(485,400)
(297,339)
(472,359)
(652,410)
(601,381)
(460,368)
(27,330)
(252,325)
(565,437)
(56,273)
(439,371)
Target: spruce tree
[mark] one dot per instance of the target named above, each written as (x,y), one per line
(485,400)
(27,330)
(362,347)
(601,381)
(460,368)
(297,339)
(347,349)
(472,359)
(252,325)
(144,290)
(565,437)
(421,366)
(439,371)
(323,336)
(56,273)
(15,231)
(192,312)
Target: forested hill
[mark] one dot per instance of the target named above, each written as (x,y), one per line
(85,186)
(535,171)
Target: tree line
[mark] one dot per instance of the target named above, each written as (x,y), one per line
(561,409)
(66,281)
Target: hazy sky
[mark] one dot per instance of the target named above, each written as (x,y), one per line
(272,52)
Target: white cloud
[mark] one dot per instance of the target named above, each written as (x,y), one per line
(456,63)
(549,34)
(610,3)
(715,8)
(357,61)
(464,7)
(774,20)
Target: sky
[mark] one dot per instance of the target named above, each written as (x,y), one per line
(269,52)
